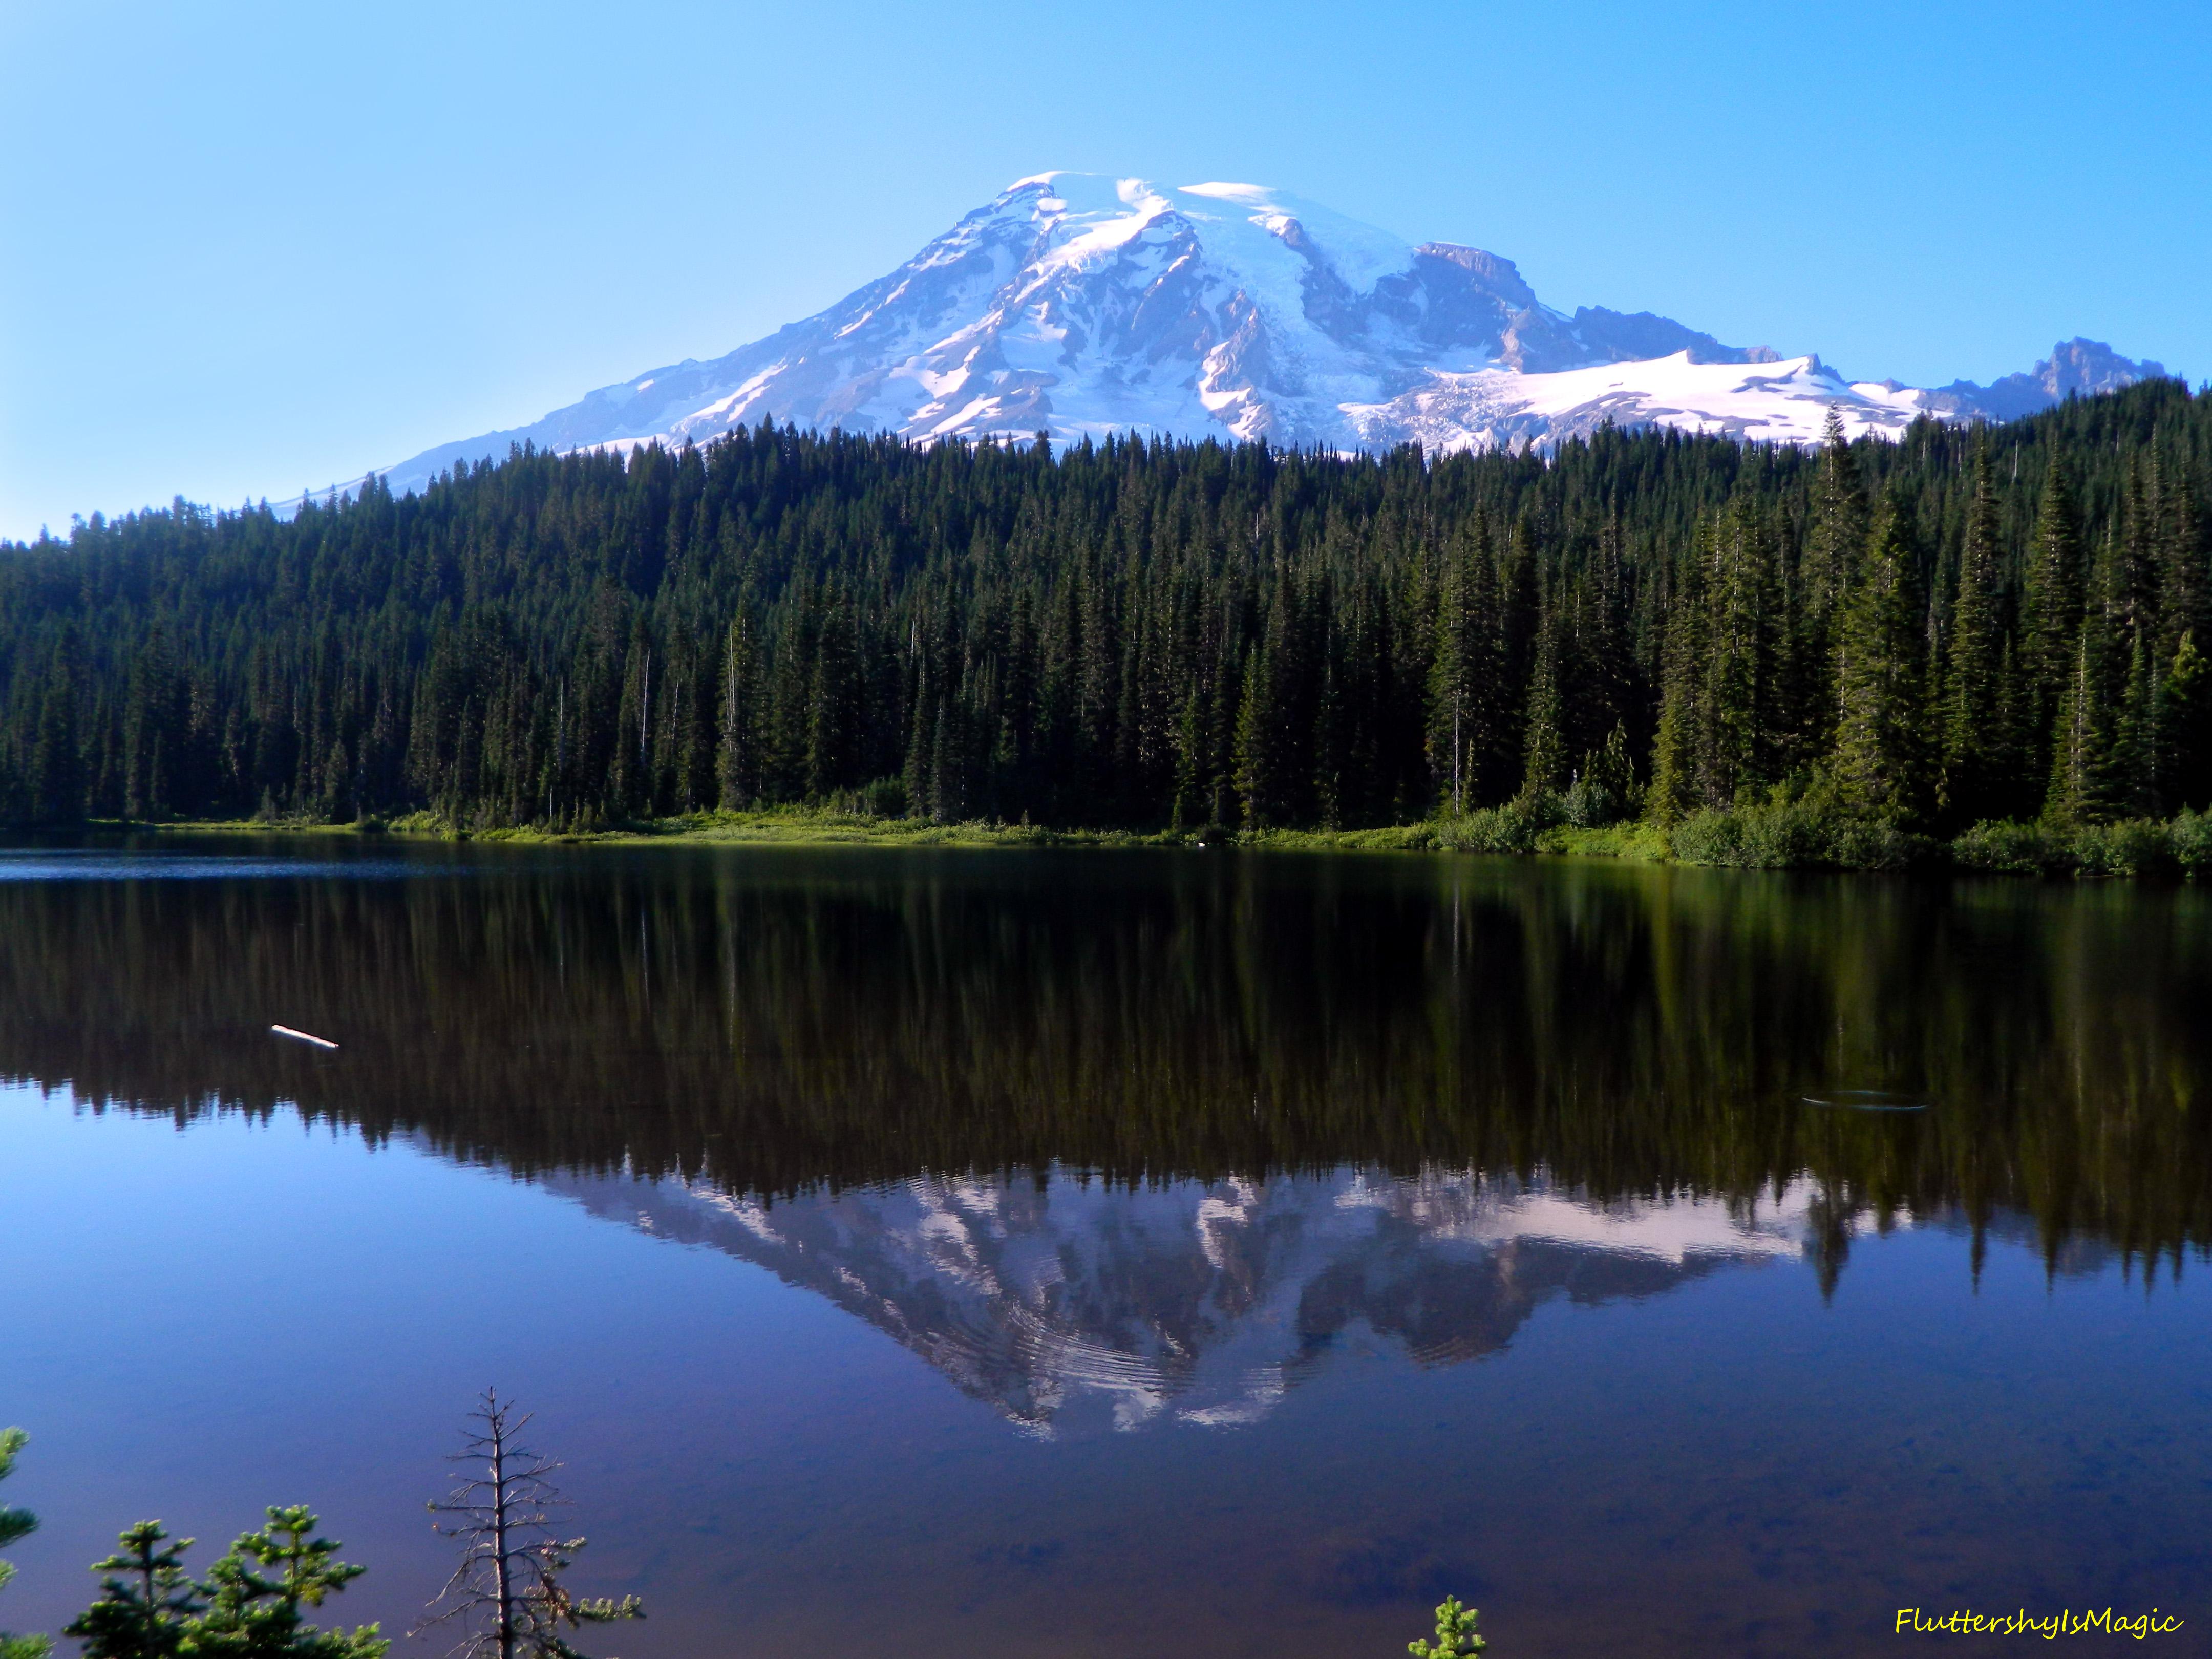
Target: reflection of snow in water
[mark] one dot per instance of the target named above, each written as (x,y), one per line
(1060,1300)
(1467,1207)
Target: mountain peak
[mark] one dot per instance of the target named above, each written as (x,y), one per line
(2075,368)
(1081,304)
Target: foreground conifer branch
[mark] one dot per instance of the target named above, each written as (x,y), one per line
(146,1603)
(1456,1638)
(16,1523)
(249,1606)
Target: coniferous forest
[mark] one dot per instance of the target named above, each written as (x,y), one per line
(1968,625)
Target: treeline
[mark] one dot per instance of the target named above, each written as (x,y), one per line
(1966,625)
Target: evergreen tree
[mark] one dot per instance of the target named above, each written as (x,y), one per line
(1454,680)
(1455,1636)
(1881,761)
(157,723)
(1612,769)
(1545,767)
(2133,759)
(1470,673)
(1829,567)
(1259,723)
(56,769)
(1675,793)
(148,1605)
(2051,611)
(2130,582)
(2081,741)
(1740,704)
(2185,718)
(1520,612)
(150,1608)
(1977,766)
(737,755)
(1330,743)
(255,1594)
(833,703)
(1839,524)
(16,1523)
(1605,689)
(2185,583)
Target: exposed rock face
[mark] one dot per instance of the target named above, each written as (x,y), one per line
(2076,368)
(1080,306)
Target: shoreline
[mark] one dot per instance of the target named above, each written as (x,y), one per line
(1778,838)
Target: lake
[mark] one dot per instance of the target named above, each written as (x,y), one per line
(1013,1253)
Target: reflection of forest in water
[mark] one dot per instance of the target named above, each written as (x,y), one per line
(770,1022)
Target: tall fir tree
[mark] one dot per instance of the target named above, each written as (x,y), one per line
(1829,568)
(2185,720)
(2080,787)
(2050,616)
(56,770)
(1675,791)
(2185,582)
(1741,705)
(1544,744)
(1465,666)
(1978,765)
(1881,759)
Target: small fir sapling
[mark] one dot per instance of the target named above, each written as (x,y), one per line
(255,1592)
(147,1600)
(150,1608)
(1456,1638)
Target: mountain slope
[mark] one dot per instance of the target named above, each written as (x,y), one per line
(1081,306)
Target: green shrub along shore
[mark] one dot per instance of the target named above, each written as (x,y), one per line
(1774,834)
(1801,835)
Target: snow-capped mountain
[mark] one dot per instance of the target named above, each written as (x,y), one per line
(1062,1303)
(1080,305)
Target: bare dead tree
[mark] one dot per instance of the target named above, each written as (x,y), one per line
(507,1596)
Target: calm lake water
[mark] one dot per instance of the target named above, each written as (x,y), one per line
(997,1254)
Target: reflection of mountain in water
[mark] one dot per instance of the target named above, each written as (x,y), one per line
(780,1022)
(1047,1295)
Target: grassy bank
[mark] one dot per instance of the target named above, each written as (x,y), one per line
(1785,836)
(783,826)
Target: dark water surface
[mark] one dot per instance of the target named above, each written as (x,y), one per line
(1017,1253)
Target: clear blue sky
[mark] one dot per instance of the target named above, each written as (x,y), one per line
(255,248)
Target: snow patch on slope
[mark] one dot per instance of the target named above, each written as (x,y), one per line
(1083,305)
(1786,402)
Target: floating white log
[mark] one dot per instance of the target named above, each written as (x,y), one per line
(304,1036)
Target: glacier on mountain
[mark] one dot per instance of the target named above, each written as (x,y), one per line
(1080,306)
